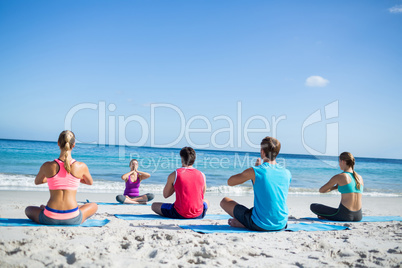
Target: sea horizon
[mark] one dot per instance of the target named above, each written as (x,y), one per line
(213,150)
(20,161)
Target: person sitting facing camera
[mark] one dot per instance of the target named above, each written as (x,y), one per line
(133,180)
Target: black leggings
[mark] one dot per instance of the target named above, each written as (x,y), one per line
(336,214)
(120,198)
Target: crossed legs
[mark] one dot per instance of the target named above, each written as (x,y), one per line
(87,210)
(228,205)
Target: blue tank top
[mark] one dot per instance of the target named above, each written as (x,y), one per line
(350,187)
(132,188)
(271,188)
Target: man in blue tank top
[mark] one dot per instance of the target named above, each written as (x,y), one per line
(271,185)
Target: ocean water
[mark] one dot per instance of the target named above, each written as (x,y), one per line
(20,162)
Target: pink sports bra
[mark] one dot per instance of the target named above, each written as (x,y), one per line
(63,180)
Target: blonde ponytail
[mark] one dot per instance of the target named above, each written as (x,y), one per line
(66,142)
(357,181)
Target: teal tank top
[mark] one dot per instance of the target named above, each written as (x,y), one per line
(271,188)
(350,187)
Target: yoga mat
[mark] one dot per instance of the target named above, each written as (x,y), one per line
(158,217)
(209,229)
(365,219)
(28,222)
(113,204)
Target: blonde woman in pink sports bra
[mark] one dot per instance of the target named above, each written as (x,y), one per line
(63,175)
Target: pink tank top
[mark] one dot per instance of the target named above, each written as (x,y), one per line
(63,180)
(189,188)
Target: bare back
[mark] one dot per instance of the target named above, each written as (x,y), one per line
(352,201)
(63,199)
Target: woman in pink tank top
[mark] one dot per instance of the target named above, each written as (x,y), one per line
(133,180)
(63,175)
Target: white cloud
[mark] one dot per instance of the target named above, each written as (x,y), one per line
(316,81)
(396,9)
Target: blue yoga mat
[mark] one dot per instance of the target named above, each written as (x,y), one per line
(27,222)
(209,229)
(365,219)
(158,217)
(114,204)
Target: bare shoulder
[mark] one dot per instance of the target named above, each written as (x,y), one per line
(172,175)
(49,169)
(171,179)
(342,175)
(79,165)
(342,178)
(249,171)
(49,164)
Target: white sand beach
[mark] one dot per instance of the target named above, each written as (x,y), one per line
(161,243)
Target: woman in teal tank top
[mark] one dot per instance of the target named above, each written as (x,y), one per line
(350,185)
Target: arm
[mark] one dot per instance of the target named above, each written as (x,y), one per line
(125,176)
(41,176)
(331,185)
(205,185)
(240,178)
(169,189)
(86,176)
(143,175)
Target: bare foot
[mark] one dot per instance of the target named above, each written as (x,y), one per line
(138,202)
(128,200)
(235,223)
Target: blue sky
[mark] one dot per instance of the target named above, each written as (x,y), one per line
(209,61)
